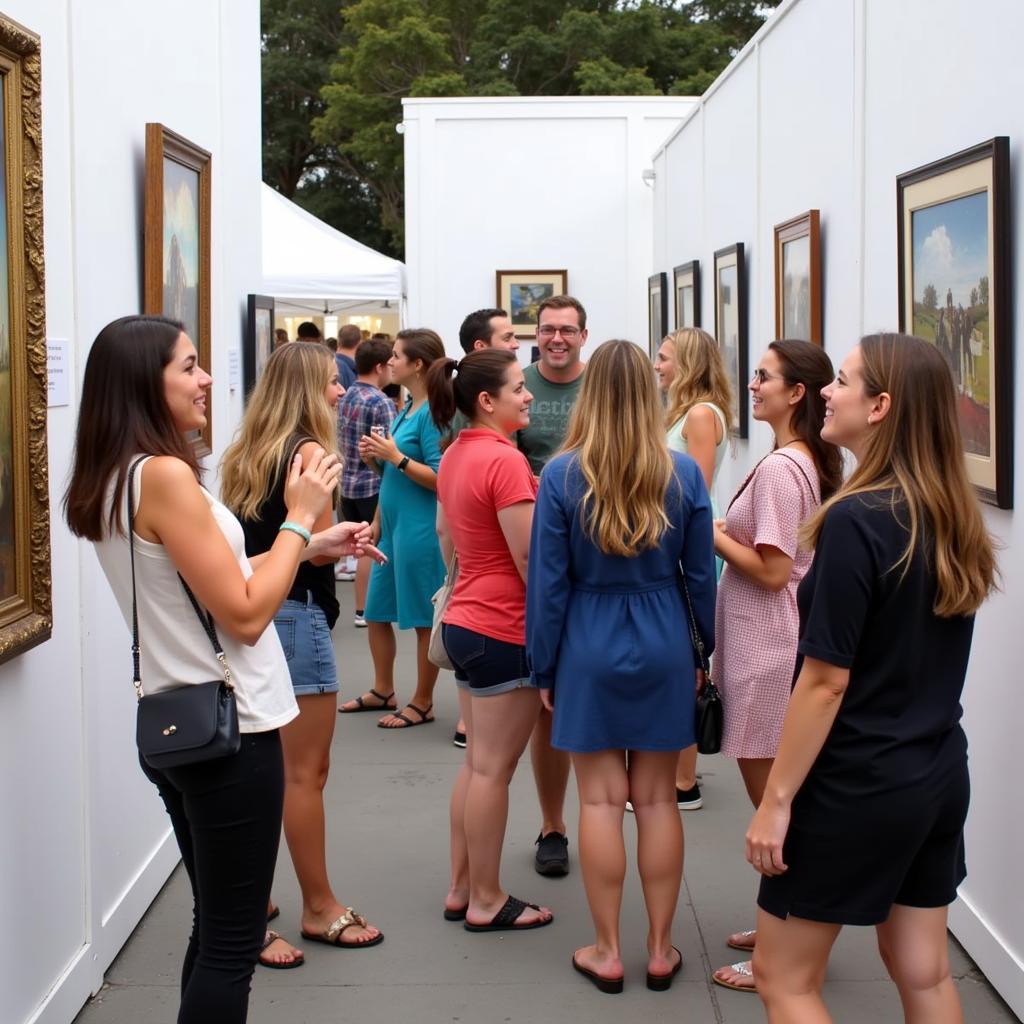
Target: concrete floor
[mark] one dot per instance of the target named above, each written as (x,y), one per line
(387,845)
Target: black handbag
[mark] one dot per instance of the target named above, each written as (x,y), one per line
(189,723)
(709,716)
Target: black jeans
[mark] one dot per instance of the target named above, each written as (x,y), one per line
(226,816)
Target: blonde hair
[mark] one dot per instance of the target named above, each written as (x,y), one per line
(917,451)
(699,376)
(617,434)
(287,403)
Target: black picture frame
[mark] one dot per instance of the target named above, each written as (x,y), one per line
(731,327)
(686,275)
(259,339)
(964,201)
(657,311)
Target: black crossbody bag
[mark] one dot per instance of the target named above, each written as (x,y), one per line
(709,716)
(189,723)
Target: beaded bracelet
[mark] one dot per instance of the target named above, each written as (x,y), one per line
(296,528)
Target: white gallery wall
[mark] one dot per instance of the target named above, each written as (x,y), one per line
(531,183)
(826,106)
(85,842)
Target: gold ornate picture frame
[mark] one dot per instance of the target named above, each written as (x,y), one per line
(26,609)
(177,247)
(798,306)
(520,292)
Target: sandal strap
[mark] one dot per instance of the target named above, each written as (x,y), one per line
(743,967)
(269,938)
(384,699)
(347,920)
(508,914)
(419,711)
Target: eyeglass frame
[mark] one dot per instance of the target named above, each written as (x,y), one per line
(762,376)
(548,331)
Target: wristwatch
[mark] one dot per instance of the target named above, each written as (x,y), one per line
(401,466)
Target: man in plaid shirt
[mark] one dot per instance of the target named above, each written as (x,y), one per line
(363,409)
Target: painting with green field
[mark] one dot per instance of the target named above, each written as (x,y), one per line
(950,270)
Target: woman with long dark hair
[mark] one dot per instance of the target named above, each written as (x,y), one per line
(861,821)
(486,491)
(143,394)
(617,515)
(292,409)
(756,618)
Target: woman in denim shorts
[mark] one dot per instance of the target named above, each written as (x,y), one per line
(485,492)
(290,413)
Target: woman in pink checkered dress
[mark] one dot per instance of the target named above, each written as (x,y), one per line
(756,622)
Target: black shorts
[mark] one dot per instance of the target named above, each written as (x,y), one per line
(358,510)
(905,847)
(484,666)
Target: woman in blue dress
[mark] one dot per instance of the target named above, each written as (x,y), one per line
(400,590)
(617,514)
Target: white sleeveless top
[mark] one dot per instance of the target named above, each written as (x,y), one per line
(677,442)
(175,649)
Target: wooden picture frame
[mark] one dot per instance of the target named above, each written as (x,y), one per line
(686,294)
(26,608)
(177,243)
(798,307)
(259,339)
(520,292)
(953,240)
(657,312)
(731,327)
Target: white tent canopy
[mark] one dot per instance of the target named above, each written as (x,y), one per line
(309,267)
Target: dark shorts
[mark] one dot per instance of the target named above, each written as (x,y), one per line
(902,847)
(359,510)
(484,666)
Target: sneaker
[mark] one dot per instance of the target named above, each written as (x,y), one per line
(689,799)
(359,620)
(686,800)
(459,740)
(552,857)
(344,576)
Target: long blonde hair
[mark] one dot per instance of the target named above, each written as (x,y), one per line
(617,434)
(288,402)
(699,376)
(917,451)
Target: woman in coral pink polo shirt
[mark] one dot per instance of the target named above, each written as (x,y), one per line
(485,492)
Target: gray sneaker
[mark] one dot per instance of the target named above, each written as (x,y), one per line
(552,857)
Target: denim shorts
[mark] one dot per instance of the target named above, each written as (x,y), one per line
(302,627)
(484,666)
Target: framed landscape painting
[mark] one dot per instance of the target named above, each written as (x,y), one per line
(259,339)
(177,247)
(953,235)
(731,326)
(686,290)
(798,278)
(26,610)
(657,311)
(521,292)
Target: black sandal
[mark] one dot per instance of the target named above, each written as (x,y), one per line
(409,723)
(361,705)
(505,919)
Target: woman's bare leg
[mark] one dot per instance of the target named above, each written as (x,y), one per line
(383,648)
(426,678)
(458,891)
(306,744)
(652,791)
(915,951)
(789,968)
(686,768)
(501,728)
(603,786)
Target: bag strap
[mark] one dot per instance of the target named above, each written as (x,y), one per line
(698,643)
(205,620)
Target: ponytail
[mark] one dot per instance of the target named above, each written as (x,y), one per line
(455,385)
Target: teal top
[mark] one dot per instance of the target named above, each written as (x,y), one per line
(677,442)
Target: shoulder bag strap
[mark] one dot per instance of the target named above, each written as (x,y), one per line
(695,637)
(205,620)
(796,463)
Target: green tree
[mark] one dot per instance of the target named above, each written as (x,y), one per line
(389,49)
(983,291)
(930,298)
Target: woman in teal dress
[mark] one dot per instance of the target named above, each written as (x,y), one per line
(698,418)
(400,591)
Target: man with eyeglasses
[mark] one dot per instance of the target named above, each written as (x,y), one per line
(554,381)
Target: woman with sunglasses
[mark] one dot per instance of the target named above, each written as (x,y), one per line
(756,619)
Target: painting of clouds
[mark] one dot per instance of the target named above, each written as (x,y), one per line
(181,245)
(951,273)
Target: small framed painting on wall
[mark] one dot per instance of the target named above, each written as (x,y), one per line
(657,311)
(520,293)
(953,238)
(686,289)
(731,326)
(798,278)
(259,339)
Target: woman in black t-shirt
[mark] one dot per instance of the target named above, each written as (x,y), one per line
(292,410)
(862,817)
